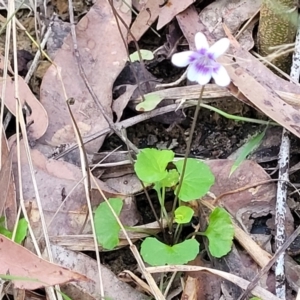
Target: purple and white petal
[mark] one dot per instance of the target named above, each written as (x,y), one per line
(202,64)
(200,73)
(221,76)
(219,48)
(204,77)
(201,41)
(182,59)
(192,72)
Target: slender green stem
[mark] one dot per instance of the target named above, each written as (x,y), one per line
(187,151)
(237,118)
(163,195)
(163,213)
(177,233)
(163,198)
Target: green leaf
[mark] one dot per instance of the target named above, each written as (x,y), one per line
(151,101)
(145,54)
(183,214)
(219,232)
(246,149)
(171,179)
(5,232)
(156,253)
(106,226)
(151,164)
(21,231)
(197,179)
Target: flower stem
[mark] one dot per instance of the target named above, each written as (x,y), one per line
(188,149)
(177,233)
(237,118)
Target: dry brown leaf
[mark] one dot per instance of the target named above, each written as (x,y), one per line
(292,272)
(125,183)
(233,14)
(266,100)
(170,10)
(16,260)
(240,264)
(7,187)
(151,11)
(55,180)
(59,31)
(5,173)
(146,17)
(199,285)
(61,6)
(120,103)
(113,288)
(138,4)
(38,118)
(102,62)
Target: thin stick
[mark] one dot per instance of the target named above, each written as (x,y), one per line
(283,176)
(84,162)
(87,185)
(187,151)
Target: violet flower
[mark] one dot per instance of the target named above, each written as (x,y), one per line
(202,62)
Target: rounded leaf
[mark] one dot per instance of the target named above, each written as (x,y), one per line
(151,164)
(197,179)
(183,214)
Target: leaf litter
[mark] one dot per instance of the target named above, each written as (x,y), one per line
(30,271)
(50,131)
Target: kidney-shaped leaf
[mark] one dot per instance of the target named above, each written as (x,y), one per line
(151,164)
(157,253)
(197,179)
